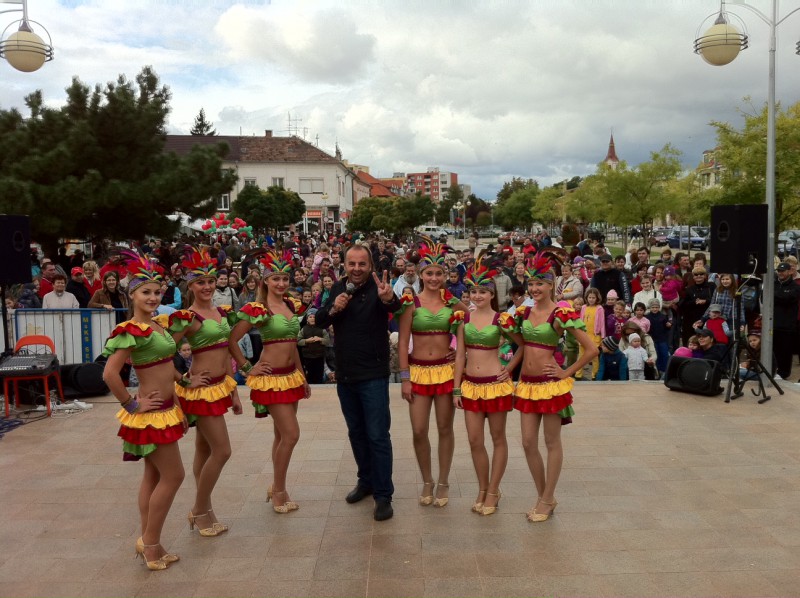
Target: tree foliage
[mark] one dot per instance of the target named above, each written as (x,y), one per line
(95,167)
(274,208)
(202,126)
(394,214)
(444,210)
(517,210)
(743,155)
(547,205)
(515,184)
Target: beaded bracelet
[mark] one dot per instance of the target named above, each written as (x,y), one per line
(405,375)
(456,392)
(246,367)
(131,406)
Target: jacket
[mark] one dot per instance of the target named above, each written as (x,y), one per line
(361,332)
(786,300)
(605,280)
(101,298)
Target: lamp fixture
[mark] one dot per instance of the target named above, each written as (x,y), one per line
(23,49)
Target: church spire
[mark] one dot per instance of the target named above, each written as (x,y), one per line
(611,156)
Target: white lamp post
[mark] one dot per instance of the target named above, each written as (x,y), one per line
(23,49)
(325,214)
(719,46)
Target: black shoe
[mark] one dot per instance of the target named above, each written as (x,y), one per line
(358,493)
(383,510)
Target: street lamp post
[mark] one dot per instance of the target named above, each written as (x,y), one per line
(24,50)
(325,214)
(719,46)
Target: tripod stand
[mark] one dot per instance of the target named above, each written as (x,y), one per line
(754,365)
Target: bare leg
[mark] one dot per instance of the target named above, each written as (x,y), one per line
(480,458)
(287,434)
(419,411)
(445,415)
(497,428)
(166,460)
(214,432)
(529,423)
(149,482)
(555,459)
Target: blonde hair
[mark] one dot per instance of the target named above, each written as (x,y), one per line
(92,264)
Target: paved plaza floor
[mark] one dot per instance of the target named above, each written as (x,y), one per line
(662,494)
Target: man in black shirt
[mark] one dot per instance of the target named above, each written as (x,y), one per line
(358,307)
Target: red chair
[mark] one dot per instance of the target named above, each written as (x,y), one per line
(27,341)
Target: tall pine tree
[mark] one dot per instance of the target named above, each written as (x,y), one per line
(202,126)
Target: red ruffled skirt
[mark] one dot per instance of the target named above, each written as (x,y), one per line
(486,394)
(214,399)
(545,395)
(431,377)
(141,433)
(283,385)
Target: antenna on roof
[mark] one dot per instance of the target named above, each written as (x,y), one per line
(317,140)
(292,124)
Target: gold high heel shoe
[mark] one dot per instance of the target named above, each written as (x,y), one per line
(491,510)
(476,508)
(427,499)
(219,527)
(285,507)
(441,502)
(159,564)
(535,517)
(167,558)
(207,532)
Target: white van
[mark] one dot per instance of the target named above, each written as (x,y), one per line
(434,232)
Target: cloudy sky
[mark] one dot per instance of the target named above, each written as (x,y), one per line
(488,89)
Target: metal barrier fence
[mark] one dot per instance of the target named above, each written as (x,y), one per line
(79,334)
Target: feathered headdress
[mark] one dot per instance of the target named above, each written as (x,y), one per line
(543,266)
(431,253)
(482,273)
(140,269)
(198,264)
(274,264)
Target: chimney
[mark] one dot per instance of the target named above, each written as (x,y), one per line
(268,133)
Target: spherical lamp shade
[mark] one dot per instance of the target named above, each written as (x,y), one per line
(721,44)
(25,51)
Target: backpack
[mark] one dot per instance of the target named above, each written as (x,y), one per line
(750,297)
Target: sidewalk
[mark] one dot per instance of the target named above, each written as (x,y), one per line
(661,494)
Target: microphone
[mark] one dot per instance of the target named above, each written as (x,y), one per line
(350,289)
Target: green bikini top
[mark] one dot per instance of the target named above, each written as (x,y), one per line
(273,328)
(424,321)
(149,347)
(544,336)
(488,337)
(211,334)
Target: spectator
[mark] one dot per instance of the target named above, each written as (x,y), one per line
(408,278)
(647,342)
(28,298)
(313,341)
(91,277)
(77,288)
(647,291)
(717,324)
(639,311)
(594,317)
(636,356)
(694,302)
(787,297)
(660,327)
(609,278)
(613,363)
(183,358)
(709,347)
(454,284)
(568,286)
(170,294)
(223,295)
(48,274)
(59,298)
(110,297)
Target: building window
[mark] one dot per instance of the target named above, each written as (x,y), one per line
(224,202)
(250,183)
(277,182)
(311,186)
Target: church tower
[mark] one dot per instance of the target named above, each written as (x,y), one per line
(611,156)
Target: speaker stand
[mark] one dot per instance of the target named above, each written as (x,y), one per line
(6,344)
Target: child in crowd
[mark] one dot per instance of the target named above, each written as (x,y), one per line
(593,316)
(394,357)
(639,311)
(611,300)
(671,287)
(692,348)
(717,324)
(660,327)
(183,358)
(751,356)
(636,356)
(613,363)
(615,320)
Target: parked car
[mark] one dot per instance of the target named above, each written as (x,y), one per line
(434,232)
(595,234)
(659,237)
(688,237)
(788,242)
(515,237)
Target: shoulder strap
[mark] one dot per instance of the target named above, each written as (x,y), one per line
(417,302)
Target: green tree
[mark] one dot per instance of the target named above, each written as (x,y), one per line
(516,211)
(396,214)
(445,208)
(515,184)
(743,154)
(95,167)
(274,208)
(371,214)
(547,205)
(411,212)
(202,126)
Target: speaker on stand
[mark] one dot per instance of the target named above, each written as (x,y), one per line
(738,238)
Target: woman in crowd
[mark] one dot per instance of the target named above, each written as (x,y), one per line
(207,328)
(568,286)
(725,296)
(694,303)
(543,394)
(519,278)
(427,374)
(483,387)
(91,277)
(152,421)
(110,296)
(647,292)
(276,381)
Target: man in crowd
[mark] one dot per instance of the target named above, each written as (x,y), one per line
(358,308)
(59,298)
(784,325)
(709,346)
(408,279)
(48,274)
(77,288)
(608,278)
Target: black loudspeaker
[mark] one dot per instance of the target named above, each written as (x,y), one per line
(83,380)
(738,240)
(15,249)
(696,376)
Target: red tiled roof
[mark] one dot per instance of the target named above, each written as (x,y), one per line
(376,187)
(253,149)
